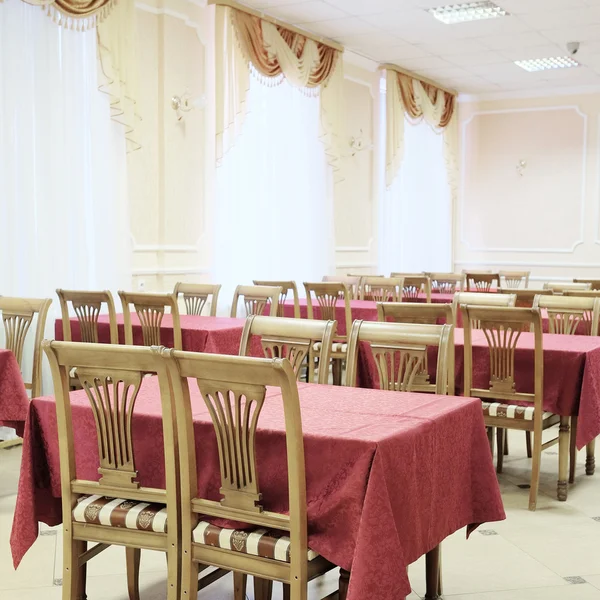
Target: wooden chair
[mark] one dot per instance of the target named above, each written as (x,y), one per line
(476,281)
(115,510)
(197,295)
(566,316)
(352,282)
(414,286)
(382,289)
(503,406)
(560,287)
(445,283)
(400,353)
(595,283)
(286,287)
(292,339)
(237,386)
(18,315)
(525,298)
(327,296)
(150,309)
(514,279)
(580,293)
(481,299)
(256,298)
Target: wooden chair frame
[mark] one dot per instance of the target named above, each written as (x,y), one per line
(513,279)
(525,298)
(415,285)
(595,283)
(286,287)
(580,293)
(352,282)
(256,298)
(560,287)
(566,313)
(481,281)
(400,353)
(104,367)
(196,295)
(17,317)
(502,328)
(382,289)
(445,283)
(150,309)
(241,381)
(482,299)
(292,339)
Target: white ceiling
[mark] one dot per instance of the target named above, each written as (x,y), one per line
(474,57)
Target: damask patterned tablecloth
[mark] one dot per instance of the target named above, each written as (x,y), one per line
(14,402)
(389,475)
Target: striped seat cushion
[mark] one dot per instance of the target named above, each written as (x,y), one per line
(258,542)
(335,347)
(511,411)
(117,512)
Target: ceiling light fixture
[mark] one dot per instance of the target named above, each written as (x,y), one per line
(543,64)
(468,11)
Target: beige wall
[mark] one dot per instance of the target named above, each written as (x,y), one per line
(547,219)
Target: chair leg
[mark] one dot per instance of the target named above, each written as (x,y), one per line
(343,584)
(310,368)
(337,371)
(563,459)
(432,574)
(590,460)
(506,443)
(573,450)
(535,470)
(263,589)
(189,575)
(73,576)
(286,592)
(500,439)
(490,434)
(528,443)
(239,586)
(133,556)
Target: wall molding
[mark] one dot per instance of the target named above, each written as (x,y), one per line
(175,14)
(361,81)
(358,60)
(160,271)
(582,206)
(366,248)
(356,265)
(526,263)
(166,249)
(525,94)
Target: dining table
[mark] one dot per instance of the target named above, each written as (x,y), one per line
(389,475)
(14,402)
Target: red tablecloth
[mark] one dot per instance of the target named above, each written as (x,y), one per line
(571,374)
(389,475)
(14,402)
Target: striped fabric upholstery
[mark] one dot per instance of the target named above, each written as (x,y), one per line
(511,411)
(258,542)
(116,512)
(335,347)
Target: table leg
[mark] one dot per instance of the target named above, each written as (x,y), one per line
(573,450)
(501,439)
(563,458)
(590,461)
(432,574)
(343,584)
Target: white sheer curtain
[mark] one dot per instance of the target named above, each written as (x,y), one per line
(274,202)
(416,210)
(63,181)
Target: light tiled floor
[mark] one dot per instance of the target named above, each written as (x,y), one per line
(530,556)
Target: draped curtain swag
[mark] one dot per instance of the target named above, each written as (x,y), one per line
(274,52)
(416,100)
(114,21)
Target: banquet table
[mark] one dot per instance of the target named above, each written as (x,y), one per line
(389,475)
(14,402)
(571,374)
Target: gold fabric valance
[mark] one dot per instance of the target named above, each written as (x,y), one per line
(76,14)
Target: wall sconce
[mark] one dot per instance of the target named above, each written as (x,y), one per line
(521,166)
(358,144)
(185,103)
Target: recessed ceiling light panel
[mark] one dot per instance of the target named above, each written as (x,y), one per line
(467,11)
(542,64)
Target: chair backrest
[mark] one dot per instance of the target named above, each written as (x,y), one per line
(514,279)
(352,282)
(481,299)
(286,287)
(445,283)
(111,377)
(382,289)
(595,283)
(414,286)
(476,281)
(87,306)
(196,296)
(569,315)
(328,295)
(256,298)
(415,312)
(291,339)
(559,287)
(18,315)
(400,354)
(525,298)
(237,387)
(579,293)
(502,328)
(150,310)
